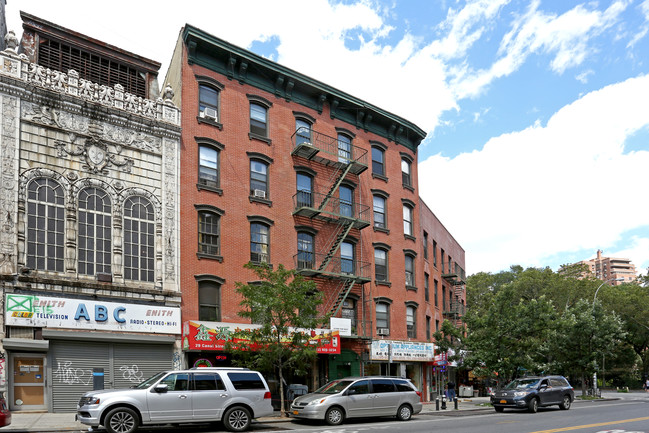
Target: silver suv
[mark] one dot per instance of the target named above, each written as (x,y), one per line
(359,397)
(233,396)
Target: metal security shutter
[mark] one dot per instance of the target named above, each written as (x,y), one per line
(132,363)
(72,365)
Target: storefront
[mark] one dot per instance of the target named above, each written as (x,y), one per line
(401,358)
(79,345)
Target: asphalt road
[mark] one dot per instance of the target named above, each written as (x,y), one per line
(620,416)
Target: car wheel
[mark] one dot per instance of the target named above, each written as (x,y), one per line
(236,419)
(565,404)
(534,405)
(499,408)
(121,420)
(404,413)
(334,416)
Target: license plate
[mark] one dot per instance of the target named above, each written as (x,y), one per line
(503,401)
(295,412)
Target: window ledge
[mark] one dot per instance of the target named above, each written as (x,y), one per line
(210,122)
(253,136)
(383,283)
(253,199)
(413,288)
(409,188)
(209,257)
(380,177)
(200,186)
(382,230)
(410,237)
(270,265)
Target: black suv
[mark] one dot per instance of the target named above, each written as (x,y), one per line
(532,392)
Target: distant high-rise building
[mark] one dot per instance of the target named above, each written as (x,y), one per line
(615,269)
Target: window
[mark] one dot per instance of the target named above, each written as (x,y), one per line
(407,220)
(139,236)
(208,166)
(436,287)
(428,328)
(444,298)
(244,381)
(411,321)
(95,236)
(426,288)
(405,172)
(209,301)
(208,382)
(346,201)
(380,264)
(410,271)
(349,312)
(344,148)
(443,268)
(176,382)
(258,120)
(379,212)
(304,190)
(347,258)
(45,225)
(258,179)
(302,132)
(305,256)
(259,243)
(382,317)
(360,387)
(435,253)
(436,325)
(425,245)
(380,386)
(209,228)
(208,103)
(378,161)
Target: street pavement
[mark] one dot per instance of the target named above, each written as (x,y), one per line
(43,422)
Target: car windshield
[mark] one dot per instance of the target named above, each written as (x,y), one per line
(523,383)
(334,387)
(150,381)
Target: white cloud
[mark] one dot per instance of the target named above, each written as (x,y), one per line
(532,193)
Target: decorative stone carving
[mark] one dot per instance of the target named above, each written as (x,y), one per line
(11,41)
(8,184)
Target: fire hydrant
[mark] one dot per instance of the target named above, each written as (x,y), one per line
(443,402)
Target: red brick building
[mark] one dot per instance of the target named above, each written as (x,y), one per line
(277,167)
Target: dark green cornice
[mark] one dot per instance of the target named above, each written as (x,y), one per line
(246,67)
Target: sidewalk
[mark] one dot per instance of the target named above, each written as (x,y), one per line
(43,422)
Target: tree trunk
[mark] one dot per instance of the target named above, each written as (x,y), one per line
(583,384)
(282,409)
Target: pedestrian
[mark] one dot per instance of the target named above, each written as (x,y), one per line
(451,391)
(646,385)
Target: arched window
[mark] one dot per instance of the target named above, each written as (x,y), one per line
(304,190)
(258,120)
(209,301)
(208,170)
(305,251)
(258,179)
(344,148)
(209,233)
(45,225)
(380,220)
(410,270)
(411,321)
(347,265)
(208,102)
(382,318)
(302,131)
(405,172)
(407,220)
(380,264)
(139,239)
(378,161)
(95,235)
(346,201)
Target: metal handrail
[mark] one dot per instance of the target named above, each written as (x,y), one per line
(330,145)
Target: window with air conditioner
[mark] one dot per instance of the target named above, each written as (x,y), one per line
(208,105)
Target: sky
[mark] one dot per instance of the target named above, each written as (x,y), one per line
(536,112)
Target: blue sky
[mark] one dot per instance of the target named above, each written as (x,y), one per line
(537,112)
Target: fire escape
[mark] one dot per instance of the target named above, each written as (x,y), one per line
(456,308)
(340,216)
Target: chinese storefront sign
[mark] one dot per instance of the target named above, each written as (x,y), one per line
(401,351)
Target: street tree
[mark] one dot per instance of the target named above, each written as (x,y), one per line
(286,306)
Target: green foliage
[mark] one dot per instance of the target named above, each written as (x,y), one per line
(281,301)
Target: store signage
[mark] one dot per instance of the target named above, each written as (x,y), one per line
(49,312)
(387,350)
(343,326)
(198,335)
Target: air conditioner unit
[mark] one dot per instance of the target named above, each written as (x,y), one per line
(383,331)
(210,113)
(260,193)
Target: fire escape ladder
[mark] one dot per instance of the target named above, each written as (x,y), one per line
(346,226)
(335,186)
(342,295)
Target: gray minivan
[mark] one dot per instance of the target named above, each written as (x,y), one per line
(355,397)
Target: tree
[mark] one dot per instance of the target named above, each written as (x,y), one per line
(286,305)
(586,332)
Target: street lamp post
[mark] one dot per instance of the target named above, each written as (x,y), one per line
(593,307)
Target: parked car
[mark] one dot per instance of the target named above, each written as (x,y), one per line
(233,396)
(533,392)
(359,397)
(5,414)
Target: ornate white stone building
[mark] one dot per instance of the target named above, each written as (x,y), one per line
(88,218)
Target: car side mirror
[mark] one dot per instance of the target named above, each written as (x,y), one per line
(544,386)
(351,392)
(161,388)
